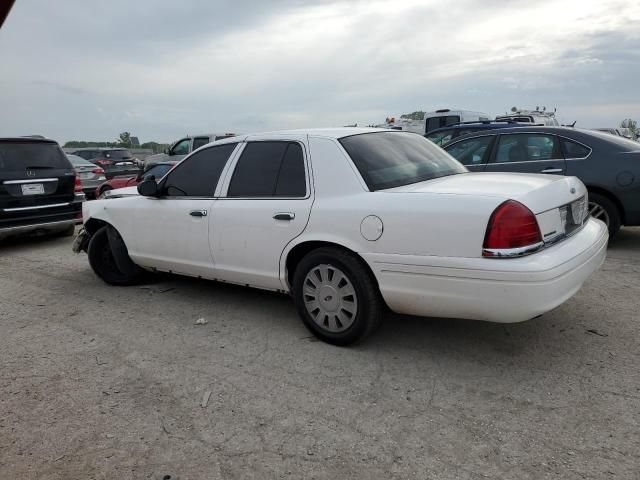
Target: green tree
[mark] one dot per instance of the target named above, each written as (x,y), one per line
(632,125)
(417,115)
(125,139)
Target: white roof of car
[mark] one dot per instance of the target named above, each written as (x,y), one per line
(313,132)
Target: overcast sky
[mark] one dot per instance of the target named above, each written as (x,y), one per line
(90,69)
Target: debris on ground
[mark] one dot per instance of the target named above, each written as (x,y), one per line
(596,332)
(205,398)
(201,321)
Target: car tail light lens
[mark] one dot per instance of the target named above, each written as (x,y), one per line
(512,231)
(98,171)
(78,185)
(104,162)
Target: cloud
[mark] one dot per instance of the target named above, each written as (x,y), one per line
(161,69)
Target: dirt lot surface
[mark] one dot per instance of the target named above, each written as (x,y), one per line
(109,383)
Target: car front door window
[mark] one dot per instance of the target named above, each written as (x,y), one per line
(473,151)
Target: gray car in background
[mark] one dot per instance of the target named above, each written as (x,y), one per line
(91,176)
(608,165)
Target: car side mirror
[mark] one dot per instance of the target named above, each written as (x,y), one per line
(149,187)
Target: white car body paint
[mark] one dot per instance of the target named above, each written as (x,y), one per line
(427,261)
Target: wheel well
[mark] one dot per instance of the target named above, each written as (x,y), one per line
(298,252)
(93,225)
(610,196)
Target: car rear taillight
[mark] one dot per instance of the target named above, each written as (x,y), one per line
(512,231)
(104,162)
(98,171)
(78,186)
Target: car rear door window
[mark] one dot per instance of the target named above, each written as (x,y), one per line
(573,149)
(524,147)
(473,151)
(198,175)
(268,169)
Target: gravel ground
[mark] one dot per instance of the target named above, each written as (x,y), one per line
(109,383)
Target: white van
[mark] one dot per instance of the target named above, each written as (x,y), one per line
(445,117)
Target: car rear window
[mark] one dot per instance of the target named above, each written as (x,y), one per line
(17,156)
(392,159)
(116,154)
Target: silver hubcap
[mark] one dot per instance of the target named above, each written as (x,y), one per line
(596,211)
(330,298)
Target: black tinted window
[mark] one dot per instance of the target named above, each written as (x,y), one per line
(158,171)
(268,169)
(389,159)
(472,151)
(198,175)
(20,156)
(573,149)
(291,180)
(439,122)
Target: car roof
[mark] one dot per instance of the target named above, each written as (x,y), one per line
(102,149)
(338,132)
(27,139)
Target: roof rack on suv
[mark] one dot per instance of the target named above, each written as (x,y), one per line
(481,122)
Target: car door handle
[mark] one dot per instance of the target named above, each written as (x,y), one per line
(198,213)
(551,170)
(284,216)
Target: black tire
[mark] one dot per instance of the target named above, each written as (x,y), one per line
(368,300)
(605,210)
(103,262)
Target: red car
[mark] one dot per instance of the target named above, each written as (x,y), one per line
(158,170)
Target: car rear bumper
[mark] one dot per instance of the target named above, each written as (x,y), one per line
(497,290)
(53,217)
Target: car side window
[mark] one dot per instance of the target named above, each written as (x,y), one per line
(573,149)
(198,175)
(269,169)
(199,142)
(473,151)
(157,171)
(523,147)
(182,147)
(440,138)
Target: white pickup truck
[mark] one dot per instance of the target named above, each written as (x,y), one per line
(184,147)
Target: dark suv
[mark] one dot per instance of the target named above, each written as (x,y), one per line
(114,161)
(37,188)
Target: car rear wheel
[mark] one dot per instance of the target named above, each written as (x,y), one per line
(337,296)
(110,260)
(604,209)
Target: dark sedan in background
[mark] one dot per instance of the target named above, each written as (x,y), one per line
(114,161)
(608,165)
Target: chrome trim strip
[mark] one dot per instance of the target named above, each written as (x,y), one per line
(512,252)
(35,180)
(20,209)
(35,226)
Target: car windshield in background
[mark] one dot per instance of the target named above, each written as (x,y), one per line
(20,156)
(390,159)
(117,154)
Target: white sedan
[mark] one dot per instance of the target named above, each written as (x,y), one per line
(349,220)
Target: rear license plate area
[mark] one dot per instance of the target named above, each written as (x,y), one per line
(32,189)
(573,215)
